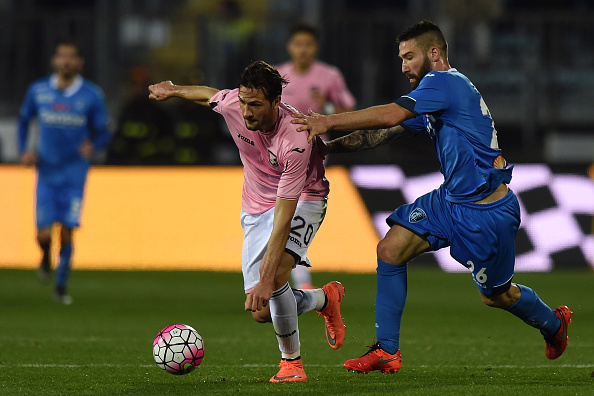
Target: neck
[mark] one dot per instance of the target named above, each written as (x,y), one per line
(301,68)
(269,128)
(441,65)
(65,81)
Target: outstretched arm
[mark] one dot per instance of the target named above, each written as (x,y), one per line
(375,117)
(166,89)
(362,140)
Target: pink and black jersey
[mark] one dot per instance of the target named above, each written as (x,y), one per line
(278,164)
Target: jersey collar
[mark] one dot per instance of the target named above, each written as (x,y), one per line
(71,89)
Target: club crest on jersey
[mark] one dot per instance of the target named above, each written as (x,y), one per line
(272,158)
(417,215)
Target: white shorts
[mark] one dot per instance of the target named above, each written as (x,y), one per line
(256,233)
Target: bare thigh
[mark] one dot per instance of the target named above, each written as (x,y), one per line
(400,245)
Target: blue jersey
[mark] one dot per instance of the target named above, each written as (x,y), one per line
(448,106)
(66,118)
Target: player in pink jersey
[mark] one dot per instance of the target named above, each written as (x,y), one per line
(313,85)
(283,205)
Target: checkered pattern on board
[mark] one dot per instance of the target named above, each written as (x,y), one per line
(556,210)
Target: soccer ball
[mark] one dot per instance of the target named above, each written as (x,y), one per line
(178,349)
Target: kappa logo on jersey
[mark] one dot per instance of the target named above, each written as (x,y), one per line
(417,215)
(300,151)
(245,139)
(272,158)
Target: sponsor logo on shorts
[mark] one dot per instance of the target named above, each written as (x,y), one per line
(295,240)
(417,215)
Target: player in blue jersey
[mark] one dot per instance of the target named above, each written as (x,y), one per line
(72,118)
(473,211)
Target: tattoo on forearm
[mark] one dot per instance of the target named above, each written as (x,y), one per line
(362,140)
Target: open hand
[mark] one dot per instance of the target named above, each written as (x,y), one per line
(313,122)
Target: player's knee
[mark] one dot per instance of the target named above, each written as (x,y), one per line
(262,317)
(503,300)
(44,236)
(66,236)
(490,301)
(388,252)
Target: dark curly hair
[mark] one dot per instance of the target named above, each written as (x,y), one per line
(263,77)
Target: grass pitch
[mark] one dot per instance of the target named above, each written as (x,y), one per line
(450,342)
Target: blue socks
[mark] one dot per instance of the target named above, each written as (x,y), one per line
(63,270)
(534,312)
(389,304)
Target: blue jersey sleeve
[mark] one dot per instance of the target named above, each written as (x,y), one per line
(27,112)
(414,125)
(431,96)
(98,121)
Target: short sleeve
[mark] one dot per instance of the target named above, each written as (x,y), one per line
(431,96)
(296,165)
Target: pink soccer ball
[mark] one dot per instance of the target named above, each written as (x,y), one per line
(178,349)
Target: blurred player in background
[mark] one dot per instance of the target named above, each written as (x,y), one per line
(473,211)
(313,85)
(72,118)
(283,205)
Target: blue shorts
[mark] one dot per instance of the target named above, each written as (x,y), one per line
(481,236)
(61,204)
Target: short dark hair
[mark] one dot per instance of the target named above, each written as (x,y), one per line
(69,42)
(263,77)
(427,34)
(304,28)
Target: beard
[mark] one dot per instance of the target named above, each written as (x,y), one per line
(416,78)
(252,125)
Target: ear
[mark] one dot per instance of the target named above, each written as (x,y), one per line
(434,54)
(276,102)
